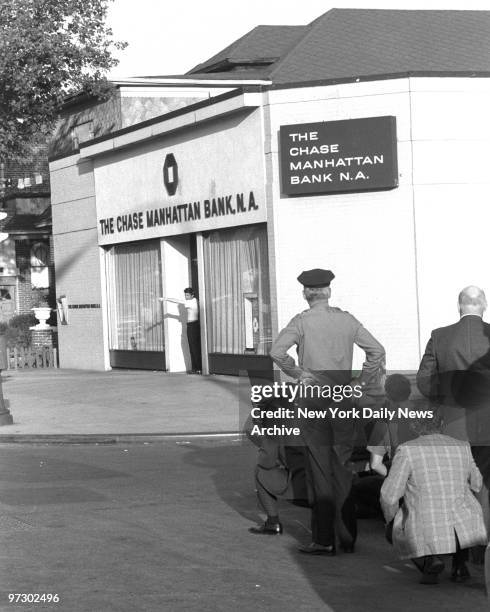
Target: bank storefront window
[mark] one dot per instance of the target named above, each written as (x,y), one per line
(237,291)
(134,286)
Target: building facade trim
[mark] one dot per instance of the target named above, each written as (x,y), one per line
(168,125)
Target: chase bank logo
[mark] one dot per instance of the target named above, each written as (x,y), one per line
(170,174)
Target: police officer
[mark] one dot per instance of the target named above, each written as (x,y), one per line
(324,337)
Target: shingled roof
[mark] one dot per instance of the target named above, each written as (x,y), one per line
(262,46)
(353,43)
(346,43)
(18,223)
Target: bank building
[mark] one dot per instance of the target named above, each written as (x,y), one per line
(359,143)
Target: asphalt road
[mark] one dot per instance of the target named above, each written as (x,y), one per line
(163,526)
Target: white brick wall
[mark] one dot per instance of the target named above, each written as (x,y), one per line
(365,238)
(369,239)
(72,179)
(451,130)
(82,342)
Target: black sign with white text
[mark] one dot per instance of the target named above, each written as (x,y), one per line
(338,156)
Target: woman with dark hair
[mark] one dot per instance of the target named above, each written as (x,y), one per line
(436,477)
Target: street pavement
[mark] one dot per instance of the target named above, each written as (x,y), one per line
(163,526)
(129,511)
(119,404)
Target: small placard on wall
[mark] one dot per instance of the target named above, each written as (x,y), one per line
(338,156)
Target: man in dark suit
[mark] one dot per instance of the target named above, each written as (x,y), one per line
(455,372)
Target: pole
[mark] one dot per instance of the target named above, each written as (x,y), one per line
(5,416)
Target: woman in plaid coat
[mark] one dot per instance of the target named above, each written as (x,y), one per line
(436,476)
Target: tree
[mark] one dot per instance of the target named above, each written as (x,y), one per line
(49,49)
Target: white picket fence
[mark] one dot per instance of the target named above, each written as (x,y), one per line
(42,357)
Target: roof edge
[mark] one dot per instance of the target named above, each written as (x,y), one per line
(154,120)
(380,77)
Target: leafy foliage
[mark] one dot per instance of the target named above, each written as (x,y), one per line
(17,330)
(49,49)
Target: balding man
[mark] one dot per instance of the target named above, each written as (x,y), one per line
(455,372)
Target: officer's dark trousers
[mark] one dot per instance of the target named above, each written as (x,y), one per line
(329,481)
(194,340)
(267,500)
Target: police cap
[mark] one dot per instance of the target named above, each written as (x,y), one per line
(316,278)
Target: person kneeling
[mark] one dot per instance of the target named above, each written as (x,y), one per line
(436,477)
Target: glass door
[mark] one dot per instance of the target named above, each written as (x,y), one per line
(134,285)
(238,309)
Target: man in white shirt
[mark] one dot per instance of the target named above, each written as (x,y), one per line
(193,328)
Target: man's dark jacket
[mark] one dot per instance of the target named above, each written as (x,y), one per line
(455,372)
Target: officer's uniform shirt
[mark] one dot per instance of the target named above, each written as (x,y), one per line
(325,338)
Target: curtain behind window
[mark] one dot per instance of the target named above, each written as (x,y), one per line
(237,269)
(134,286)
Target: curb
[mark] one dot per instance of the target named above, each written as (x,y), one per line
(109,438)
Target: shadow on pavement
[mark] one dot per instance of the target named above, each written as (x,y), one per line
(372,578)
(231,468)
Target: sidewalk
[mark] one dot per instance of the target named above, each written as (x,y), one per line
(61,403)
